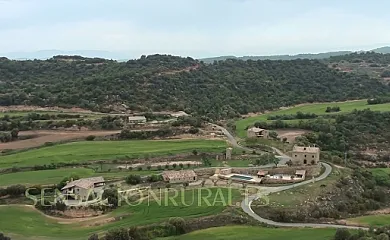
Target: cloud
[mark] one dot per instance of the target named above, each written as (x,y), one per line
(196,28)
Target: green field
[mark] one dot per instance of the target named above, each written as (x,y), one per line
(107,150)
(24,222)
(45,177)
(317,108)
(257,233)
(372,220)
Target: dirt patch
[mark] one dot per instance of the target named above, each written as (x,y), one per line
(21,108)
(43,136)
(291,134)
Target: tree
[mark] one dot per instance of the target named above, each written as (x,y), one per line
(273,134)
(3,237)
(382,236)
(111,195)
(276,161)
(133,179)
(174,165)
(188,165)
(195,152)
(94,237)
(118,234)
(149,167)
(90,138)
(155,178)
(179,224)
(181,165)
(14,133)
(342,234)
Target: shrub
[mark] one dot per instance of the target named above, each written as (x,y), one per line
(133,179)
(155,178)
(90,138)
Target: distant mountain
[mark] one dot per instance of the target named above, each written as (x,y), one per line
(292,57)
(279,57)
(382,50)
(46,54)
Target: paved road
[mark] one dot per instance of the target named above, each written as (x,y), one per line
(232,140)
(246,203)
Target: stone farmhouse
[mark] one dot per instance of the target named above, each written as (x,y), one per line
(82,188)
(181,176)
(305,155)
(136,119)
(255,132)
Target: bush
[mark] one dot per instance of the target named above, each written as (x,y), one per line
(179,224)
(3,237)
(111,195)
(155,178)
(342,234)
(94,237)
(118,234)
(90,138)
(16,190)
(133,179)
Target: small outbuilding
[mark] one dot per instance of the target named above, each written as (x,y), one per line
(300,174)
(255,132)
(181,176)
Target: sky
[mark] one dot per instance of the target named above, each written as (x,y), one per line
(196,28)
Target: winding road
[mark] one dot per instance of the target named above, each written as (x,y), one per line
(247,202)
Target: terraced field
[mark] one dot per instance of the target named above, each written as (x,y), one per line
(107,150)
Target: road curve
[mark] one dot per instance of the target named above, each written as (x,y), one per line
(247,202)
(246,205)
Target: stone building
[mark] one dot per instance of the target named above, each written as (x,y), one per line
(255,132)
(305,155)
(81,189)
(136,119)
(181,176)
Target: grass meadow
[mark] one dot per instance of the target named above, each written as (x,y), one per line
(54,176)
(317,108)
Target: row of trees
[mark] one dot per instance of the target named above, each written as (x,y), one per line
(298,115)
(378,100)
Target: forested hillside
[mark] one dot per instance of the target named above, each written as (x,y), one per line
(160,82)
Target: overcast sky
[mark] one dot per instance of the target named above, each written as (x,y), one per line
(197,28)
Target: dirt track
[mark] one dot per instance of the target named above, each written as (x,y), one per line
(291,134)
(44,136)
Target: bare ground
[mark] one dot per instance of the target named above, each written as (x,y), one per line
(291,134)
(43,136)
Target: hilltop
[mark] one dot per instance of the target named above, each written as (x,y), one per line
(162,82)
(324,55)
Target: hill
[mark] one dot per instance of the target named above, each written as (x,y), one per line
(382,50)
(278,57)
(162,82)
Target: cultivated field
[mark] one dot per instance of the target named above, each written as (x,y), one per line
(23,222)
(107,150)
(54,176)
(43,136)
(317,108)
(257,233)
